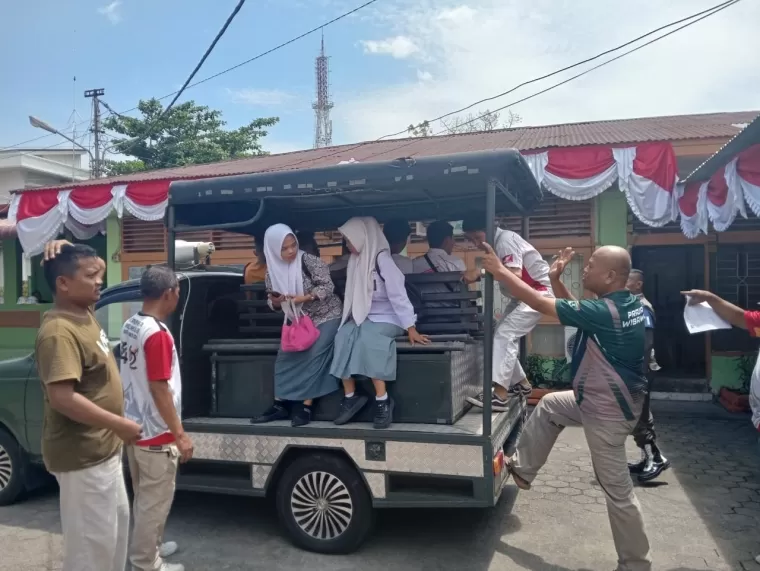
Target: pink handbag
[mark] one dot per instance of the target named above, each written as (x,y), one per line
(298,330)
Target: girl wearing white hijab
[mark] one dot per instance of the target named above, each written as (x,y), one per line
(376,310)
(305,279)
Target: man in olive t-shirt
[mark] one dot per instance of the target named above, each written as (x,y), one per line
(83,426)
(608,387)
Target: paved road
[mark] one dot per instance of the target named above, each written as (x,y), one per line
(705,515)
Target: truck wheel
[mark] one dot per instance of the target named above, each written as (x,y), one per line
(11,469)
(324,505)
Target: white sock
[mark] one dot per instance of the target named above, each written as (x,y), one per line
(384,397)
(349,395)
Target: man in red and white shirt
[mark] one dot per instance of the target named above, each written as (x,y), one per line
(744,319)
(518,319)
(153,397)
(738,317)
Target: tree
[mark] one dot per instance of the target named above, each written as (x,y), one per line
(188,134)
(420,130)
(480,121)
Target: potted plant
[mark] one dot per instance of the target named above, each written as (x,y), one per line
(547,375)
(737,400)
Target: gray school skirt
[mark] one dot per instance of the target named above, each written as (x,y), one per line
(306,374)
(368,349)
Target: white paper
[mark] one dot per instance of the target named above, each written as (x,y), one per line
(701,317)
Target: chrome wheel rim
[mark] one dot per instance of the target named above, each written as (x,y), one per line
(321,505)
(6,468)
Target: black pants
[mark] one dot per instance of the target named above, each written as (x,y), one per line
(644,432)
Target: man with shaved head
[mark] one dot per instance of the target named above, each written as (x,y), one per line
(609,386)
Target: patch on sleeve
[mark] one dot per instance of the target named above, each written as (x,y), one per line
(507,259)
(574,305)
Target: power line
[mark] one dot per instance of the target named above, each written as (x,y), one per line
(177,94)
(267,52)
(715,8)
(691,20)
(229,69)
(254,58)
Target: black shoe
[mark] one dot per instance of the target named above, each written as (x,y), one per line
(638,467)
(275,412)
(349,407)
(383,413)
(651,471)
(301,416)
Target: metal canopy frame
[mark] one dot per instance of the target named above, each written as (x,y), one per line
(747,137)
(495,171)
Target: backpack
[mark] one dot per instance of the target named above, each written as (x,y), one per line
(412,291)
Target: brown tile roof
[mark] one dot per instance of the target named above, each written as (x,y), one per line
(671,128)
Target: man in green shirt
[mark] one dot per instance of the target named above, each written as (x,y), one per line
(609,386)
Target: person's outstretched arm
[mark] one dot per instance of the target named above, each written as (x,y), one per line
(735,315)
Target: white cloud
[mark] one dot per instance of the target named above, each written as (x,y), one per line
(473,49)
(111,11)
(399,47)
(260,97)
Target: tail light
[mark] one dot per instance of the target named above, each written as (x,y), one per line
(498,463)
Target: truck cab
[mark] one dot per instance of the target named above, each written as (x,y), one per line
(326,480)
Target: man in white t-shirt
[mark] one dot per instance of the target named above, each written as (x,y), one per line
(397,233)
(519,319)
(153,398)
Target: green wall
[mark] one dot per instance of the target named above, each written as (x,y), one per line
(612,219)
(17,341)
(724,373)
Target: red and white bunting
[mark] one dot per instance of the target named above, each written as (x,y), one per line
(41,215)
(646,174)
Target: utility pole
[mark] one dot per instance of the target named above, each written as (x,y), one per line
(96,167)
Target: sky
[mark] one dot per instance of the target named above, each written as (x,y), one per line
(393,63)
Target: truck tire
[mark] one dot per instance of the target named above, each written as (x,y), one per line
(11,469)
(324,505)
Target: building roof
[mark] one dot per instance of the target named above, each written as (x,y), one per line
(622,131)
(746,138)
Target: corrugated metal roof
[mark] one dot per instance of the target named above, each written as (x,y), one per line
(671,128)
(746,138)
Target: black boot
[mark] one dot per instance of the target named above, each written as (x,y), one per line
(636,468)
(653,467)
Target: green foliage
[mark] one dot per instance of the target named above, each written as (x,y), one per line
(188,134)
(744,366)
(547,372)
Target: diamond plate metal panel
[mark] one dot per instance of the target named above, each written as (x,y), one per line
(423,458)
(376,483)
(414,457)
(259,475)
(466,376)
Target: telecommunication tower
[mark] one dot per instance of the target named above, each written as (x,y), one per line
(322,106)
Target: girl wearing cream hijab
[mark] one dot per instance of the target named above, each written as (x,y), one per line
(376,310)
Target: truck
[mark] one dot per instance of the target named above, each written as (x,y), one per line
(326,480)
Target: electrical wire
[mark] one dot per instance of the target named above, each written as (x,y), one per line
(258,56)
(224,71)
(690,21)
(181,90)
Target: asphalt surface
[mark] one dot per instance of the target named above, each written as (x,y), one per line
(703,514)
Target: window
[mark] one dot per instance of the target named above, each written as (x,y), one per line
(111,317)
(735,275)
(572,277)
(548,341)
